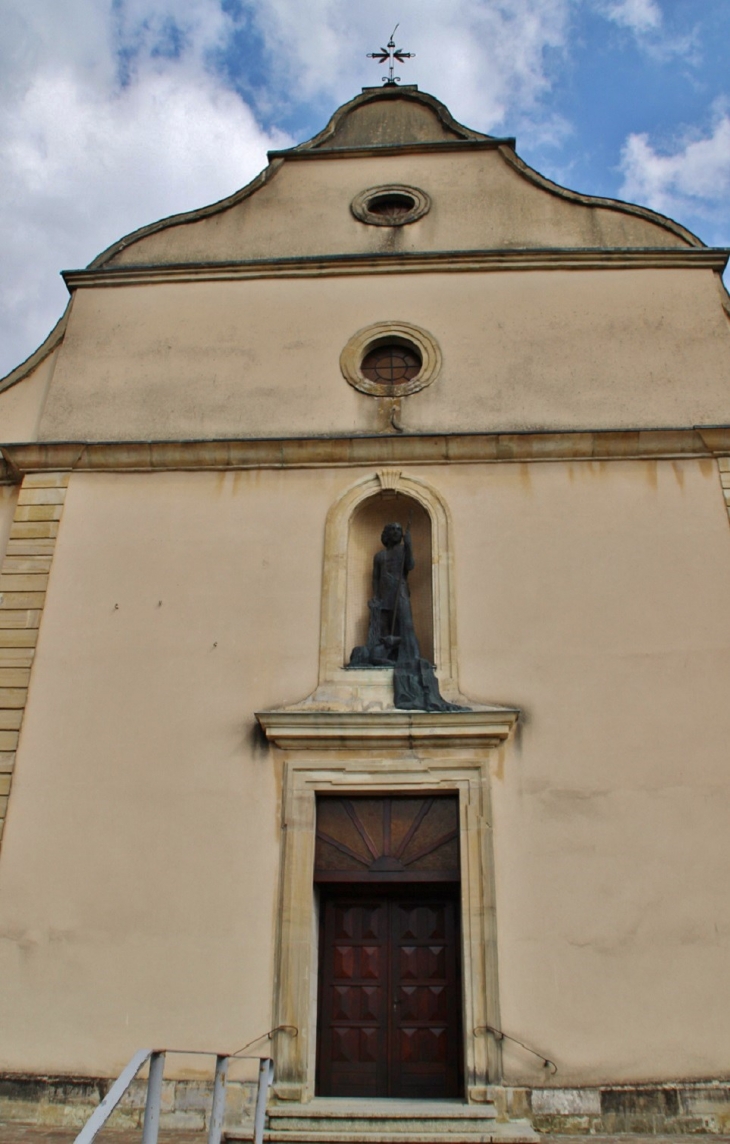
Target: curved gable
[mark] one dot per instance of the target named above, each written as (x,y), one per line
(299,205)
(390,116)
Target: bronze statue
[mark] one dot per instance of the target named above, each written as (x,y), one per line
(391,635)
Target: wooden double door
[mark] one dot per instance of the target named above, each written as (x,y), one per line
(389,992)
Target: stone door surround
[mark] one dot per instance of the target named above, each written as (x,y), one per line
(306,774)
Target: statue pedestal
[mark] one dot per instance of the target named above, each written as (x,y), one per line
(300,728)
(354,710)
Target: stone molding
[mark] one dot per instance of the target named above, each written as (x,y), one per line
(348,451)
(371,150)
(301,729)
(23,580)
(659,258)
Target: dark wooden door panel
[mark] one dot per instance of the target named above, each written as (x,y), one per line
(426,1002)
(389,1017)
(353,1000)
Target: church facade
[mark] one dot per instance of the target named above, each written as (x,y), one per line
(433,811)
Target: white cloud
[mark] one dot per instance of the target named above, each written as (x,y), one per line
(111,114)
(85,159)
(645,19)
(691,180)
(638,15)
(480,58)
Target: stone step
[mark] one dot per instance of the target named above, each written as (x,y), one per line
(329,1120)
(404,1135)
(334,1108)
(382,1124)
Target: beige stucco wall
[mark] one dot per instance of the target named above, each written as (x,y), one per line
(603,612)
(479,201)
(553,349)
(21,404)
(138,876)
(140,860)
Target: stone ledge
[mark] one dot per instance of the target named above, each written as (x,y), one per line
(363,450)
(300,729)
(516,259)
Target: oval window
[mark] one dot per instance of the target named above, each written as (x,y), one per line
(392,205)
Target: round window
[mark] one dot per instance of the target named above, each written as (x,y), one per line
(390,359)
(393,363)
(392,205)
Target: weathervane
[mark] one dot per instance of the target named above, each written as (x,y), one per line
(391,54)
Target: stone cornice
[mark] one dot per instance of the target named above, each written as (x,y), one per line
(349,452)
(297,730)
(659,258)
(370,150)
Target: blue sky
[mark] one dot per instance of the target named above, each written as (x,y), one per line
(116,112)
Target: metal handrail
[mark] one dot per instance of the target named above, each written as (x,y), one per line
(151,1125)
(102,1113)
(500,1035)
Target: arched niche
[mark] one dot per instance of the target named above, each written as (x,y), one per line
(352,536)
(366,524)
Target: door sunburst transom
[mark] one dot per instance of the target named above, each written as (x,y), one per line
(361,839)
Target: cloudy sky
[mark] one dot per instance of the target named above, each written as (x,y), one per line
(114,113)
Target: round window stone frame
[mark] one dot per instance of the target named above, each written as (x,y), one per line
(380,333)
(360,204)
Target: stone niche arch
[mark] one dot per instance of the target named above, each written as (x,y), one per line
(352,536)
(366,525)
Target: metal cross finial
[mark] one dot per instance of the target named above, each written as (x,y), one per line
(391,54)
